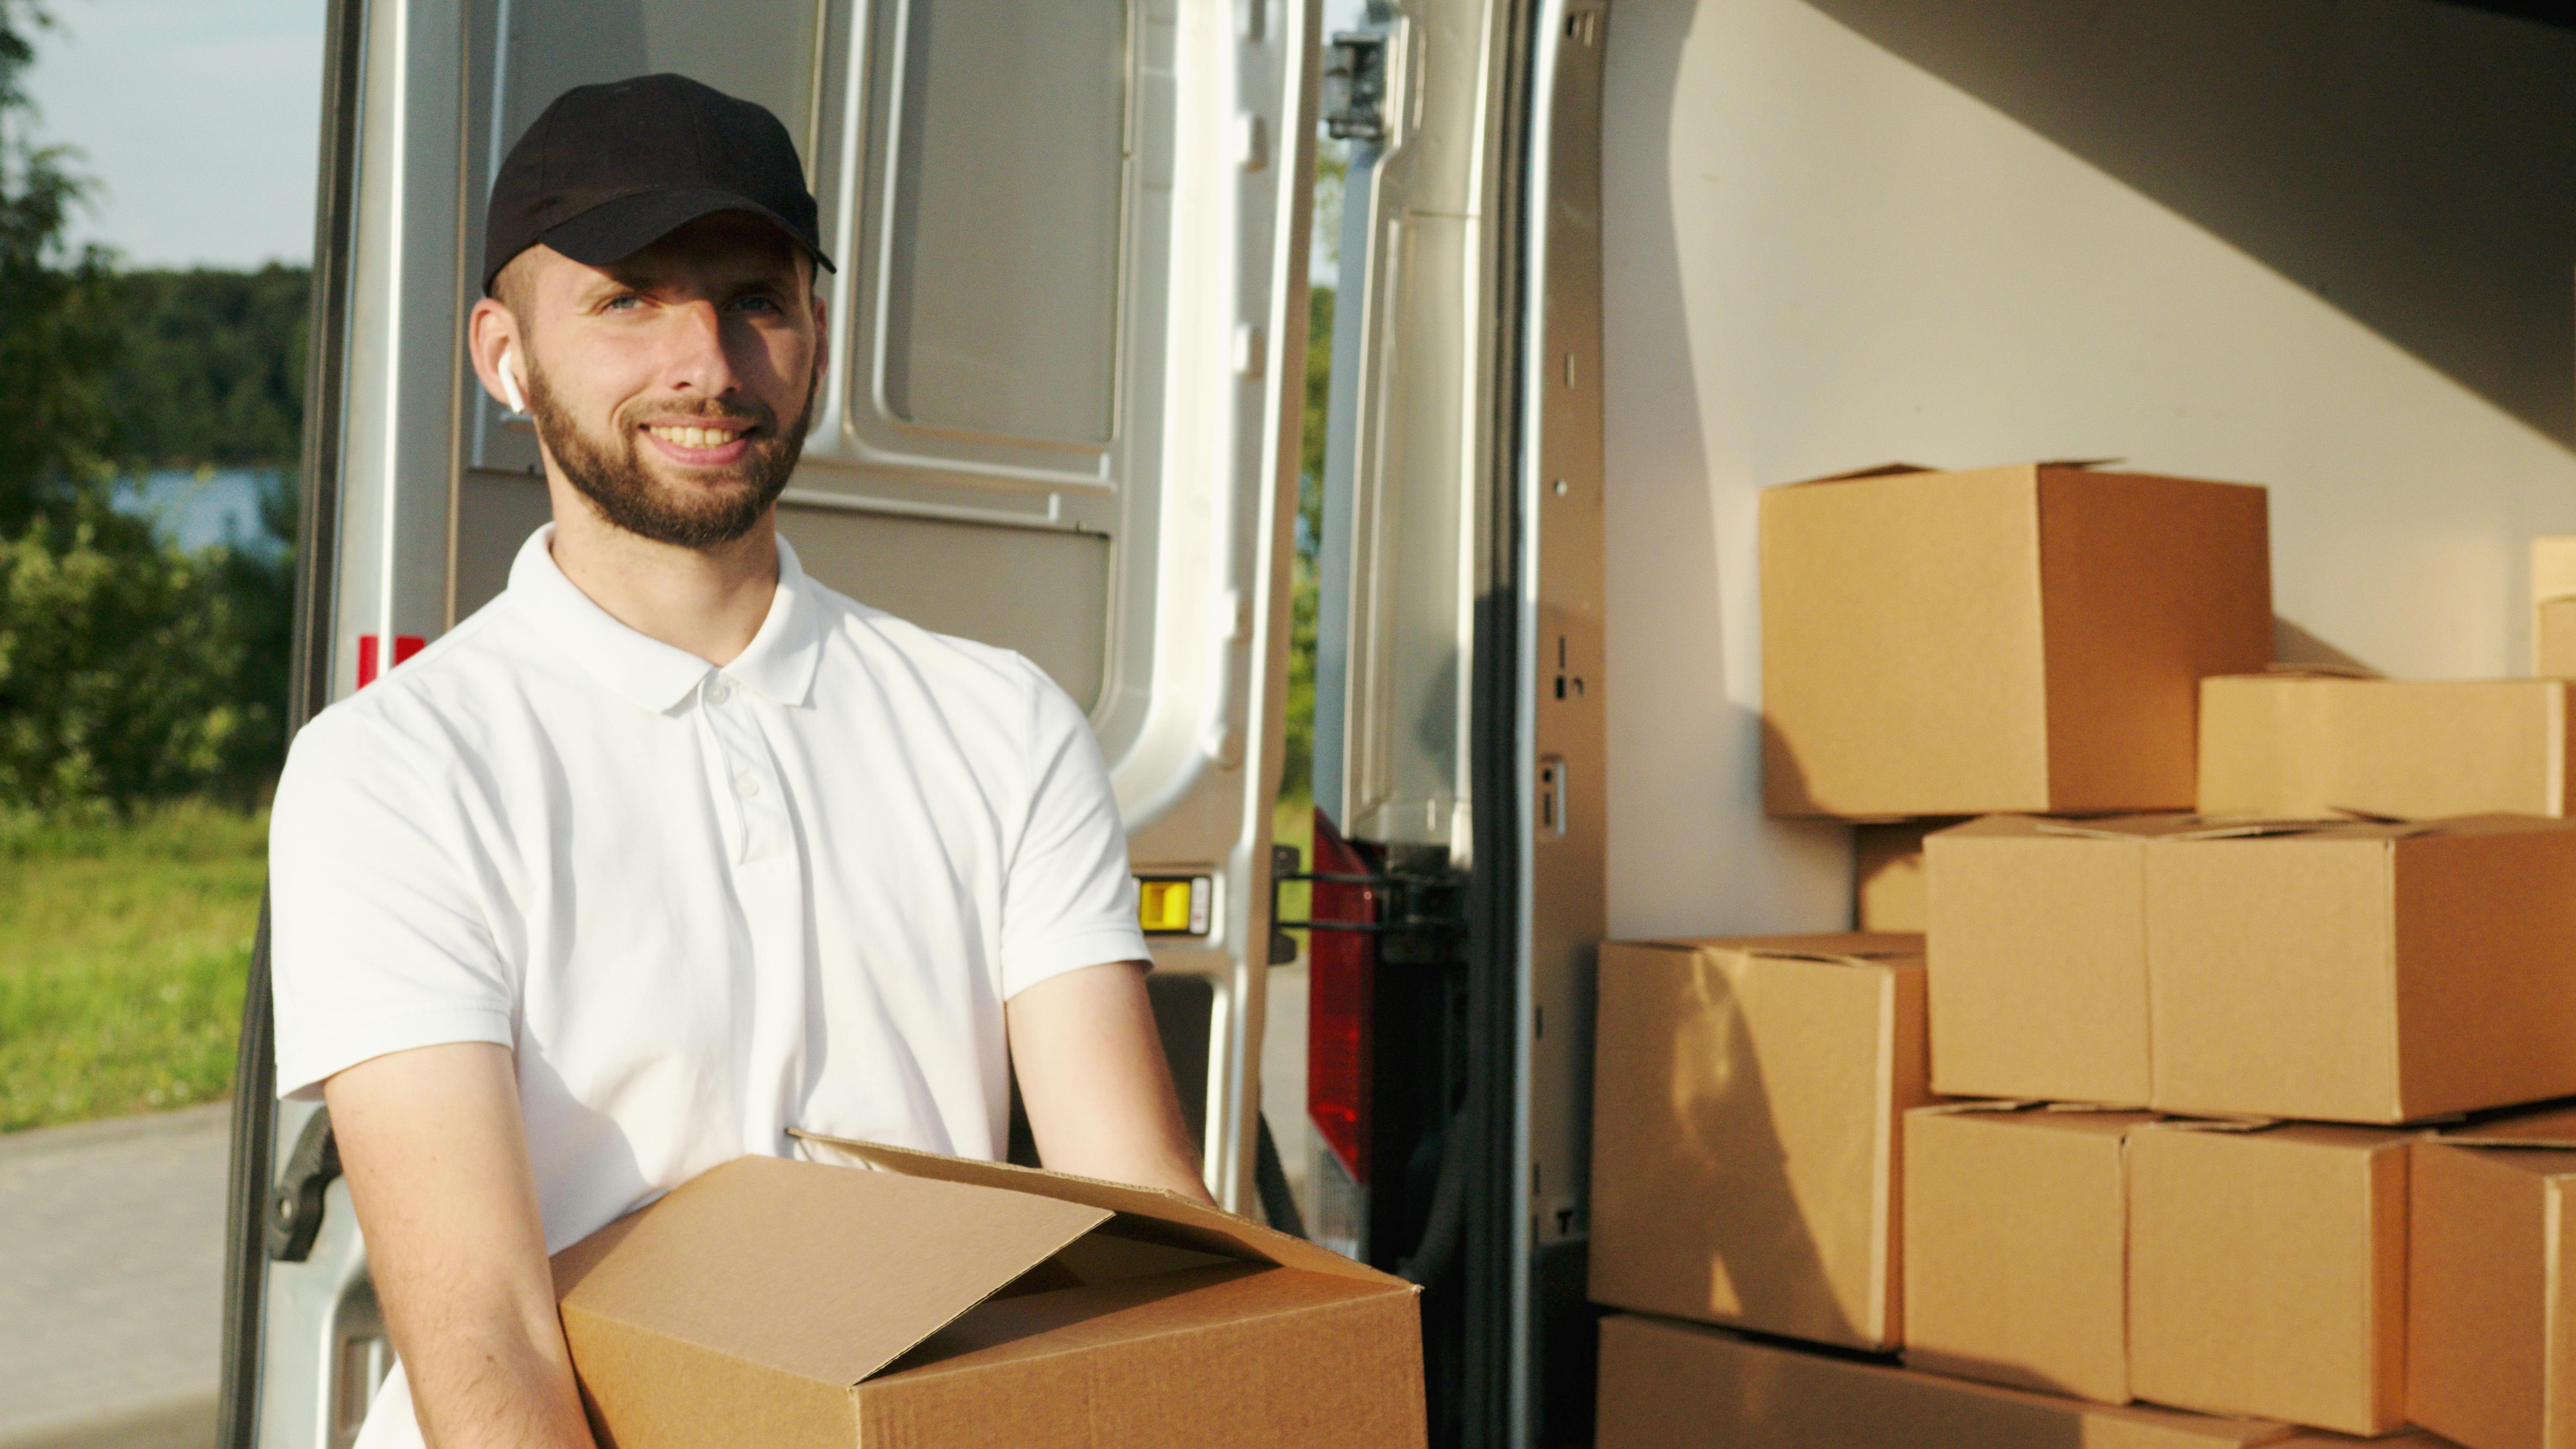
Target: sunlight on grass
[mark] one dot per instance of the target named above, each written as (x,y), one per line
(123,954)
(1292,822)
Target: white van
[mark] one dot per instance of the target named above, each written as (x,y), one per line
(1608,267)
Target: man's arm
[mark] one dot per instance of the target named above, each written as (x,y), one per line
(1093,1078)
(437,1161)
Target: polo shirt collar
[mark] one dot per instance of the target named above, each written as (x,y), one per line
(778,665)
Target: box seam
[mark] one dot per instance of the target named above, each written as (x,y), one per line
(2553,1255)
(2397,1105)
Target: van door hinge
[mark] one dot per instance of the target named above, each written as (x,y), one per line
(1355,86)
(1421,917)
(295,1204)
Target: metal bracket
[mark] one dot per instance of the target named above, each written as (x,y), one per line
(1422,909)
(295,1204)
(1354,105)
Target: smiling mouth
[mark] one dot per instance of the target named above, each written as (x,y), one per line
(684,436)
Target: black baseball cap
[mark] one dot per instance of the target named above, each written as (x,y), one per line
(610,169)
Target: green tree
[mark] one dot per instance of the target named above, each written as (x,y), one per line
(1297,772)
(211,371)
(128,671)
(58,315)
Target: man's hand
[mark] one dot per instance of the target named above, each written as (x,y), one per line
(437,1160)
(1092,1076)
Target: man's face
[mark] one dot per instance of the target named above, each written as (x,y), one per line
(673,388)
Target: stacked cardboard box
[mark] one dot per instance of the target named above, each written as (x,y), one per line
(2213,946)
(2553,607)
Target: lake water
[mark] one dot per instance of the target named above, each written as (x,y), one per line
(194,511)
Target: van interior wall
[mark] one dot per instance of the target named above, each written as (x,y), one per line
(2324,245)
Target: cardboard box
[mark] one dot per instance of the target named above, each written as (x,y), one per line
(1887,874)
(2017,1246)
(940,1302)
(2323,746)
(2553,607)
(2356,971)
(1676,1386)
(2363,972)
(2028,638)
(2491,1313)
(2036,941)
(1748,1110)
(2267,1272)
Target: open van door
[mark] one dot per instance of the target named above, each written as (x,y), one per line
(1459,751)
(1062,417)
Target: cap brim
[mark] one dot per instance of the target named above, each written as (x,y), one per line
(622,226)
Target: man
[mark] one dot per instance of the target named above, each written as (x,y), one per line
(671,848)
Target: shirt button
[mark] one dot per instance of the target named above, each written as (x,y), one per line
(718,691)
(746,784)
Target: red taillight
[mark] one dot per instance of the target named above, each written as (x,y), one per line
(1341,994)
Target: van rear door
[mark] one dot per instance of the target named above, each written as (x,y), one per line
(1062,417)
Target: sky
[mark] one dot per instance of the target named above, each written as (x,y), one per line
(199,119)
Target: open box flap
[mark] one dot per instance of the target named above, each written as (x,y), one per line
(823,1274)
(2550,1126)
(1878,470)
(1181,1221)
(1890,470)
(2177,827)
(1846,947)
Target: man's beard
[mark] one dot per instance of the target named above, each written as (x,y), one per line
(611,472)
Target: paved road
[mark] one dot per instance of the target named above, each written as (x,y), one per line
(111,1270)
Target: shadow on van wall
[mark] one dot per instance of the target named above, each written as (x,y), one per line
(2411,163)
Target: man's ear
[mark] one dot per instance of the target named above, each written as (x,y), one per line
(499,354)
(822,338)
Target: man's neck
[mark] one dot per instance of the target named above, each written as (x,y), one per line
(709,602)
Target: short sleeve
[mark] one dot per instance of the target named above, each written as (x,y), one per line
(378,940)
(1070,899)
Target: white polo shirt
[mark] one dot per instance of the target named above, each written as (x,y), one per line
(701,905)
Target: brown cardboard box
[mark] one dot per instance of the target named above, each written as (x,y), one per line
(2553,607)
(939,1302)
(2036,945)
(2363,972)
(2028,638)
(2320,746)
(2491,1310)
(1677,1386)
(1748,1101)
(2017,1246)
(2267,1272)
(1887,874)
(2352,971)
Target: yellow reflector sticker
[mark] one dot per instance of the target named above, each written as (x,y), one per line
(1163,905)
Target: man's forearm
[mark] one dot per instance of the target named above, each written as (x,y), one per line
(1092,1076)
(437,1165)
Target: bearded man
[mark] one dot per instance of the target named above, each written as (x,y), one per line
(670,848)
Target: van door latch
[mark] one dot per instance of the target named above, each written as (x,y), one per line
(1355,86)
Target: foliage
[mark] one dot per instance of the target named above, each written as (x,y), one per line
(123,950)
(211,374)
(1297,776)
(58,331)
(128,671)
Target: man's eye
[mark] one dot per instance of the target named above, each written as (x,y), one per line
(756,304)
(624,304)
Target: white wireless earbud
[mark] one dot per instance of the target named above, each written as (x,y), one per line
(510,379)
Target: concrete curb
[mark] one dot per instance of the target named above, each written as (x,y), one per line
(45,1141)
(181,1420)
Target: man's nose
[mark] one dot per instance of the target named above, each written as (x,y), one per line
(698,363)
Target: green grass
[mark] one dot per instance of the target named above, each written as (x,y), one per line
(124,949)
